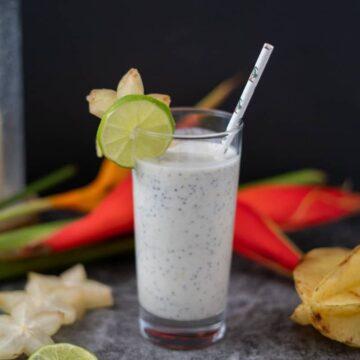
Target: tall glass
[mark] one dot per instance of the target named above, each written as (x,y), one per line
(184,220)
(12,169)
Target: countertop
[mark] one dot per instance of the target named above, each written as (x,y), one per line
(258,325)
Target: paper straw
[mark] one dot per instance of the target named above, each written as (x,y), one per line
(248,91)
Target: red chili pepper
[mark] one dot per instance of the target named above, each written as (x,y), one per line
(260,239)
(295,207)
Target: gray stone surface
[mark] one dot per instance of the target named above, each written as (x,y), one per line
(258,313)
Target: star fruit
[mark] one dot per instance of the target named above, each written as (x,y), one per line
(26,329)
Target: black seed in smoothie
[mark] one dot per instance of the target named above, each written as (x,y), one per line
(205,222)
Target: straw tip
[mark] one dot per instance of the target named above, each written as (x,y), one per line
(268,46)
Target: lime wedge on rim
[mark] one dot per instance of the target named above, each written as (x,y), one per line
(62,352)
(135,127)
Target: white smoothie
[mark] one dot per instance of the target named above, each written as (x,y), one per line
(184,218)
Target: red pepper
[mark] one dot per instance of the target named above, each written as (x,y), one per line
(260,239)
(295,207)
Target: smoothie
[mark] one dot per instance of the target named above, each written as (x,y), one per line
(185,165)
(184,217)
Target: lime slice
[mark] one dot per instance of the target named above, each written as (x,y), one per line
(62,352)
(124,132)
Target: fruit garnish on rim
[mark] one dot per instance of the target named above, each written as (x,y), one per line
(127,115)
(122,134)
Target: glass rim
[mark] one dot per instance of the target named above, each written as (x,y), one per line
(215,112)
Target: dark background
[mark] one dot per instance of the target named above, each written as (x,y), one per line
(305,112)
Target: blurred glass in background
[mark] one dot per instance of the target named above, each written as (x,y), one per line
(11,103)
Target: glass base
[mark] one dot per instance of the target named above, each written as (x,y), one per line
(181,335)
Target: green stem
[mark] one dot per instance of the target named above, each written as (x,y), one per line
(30,207)
(300,177)
(13,240)
(42,184)
(14,268)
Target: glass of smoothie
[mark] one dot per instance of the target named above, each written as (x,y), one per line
(184,219)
